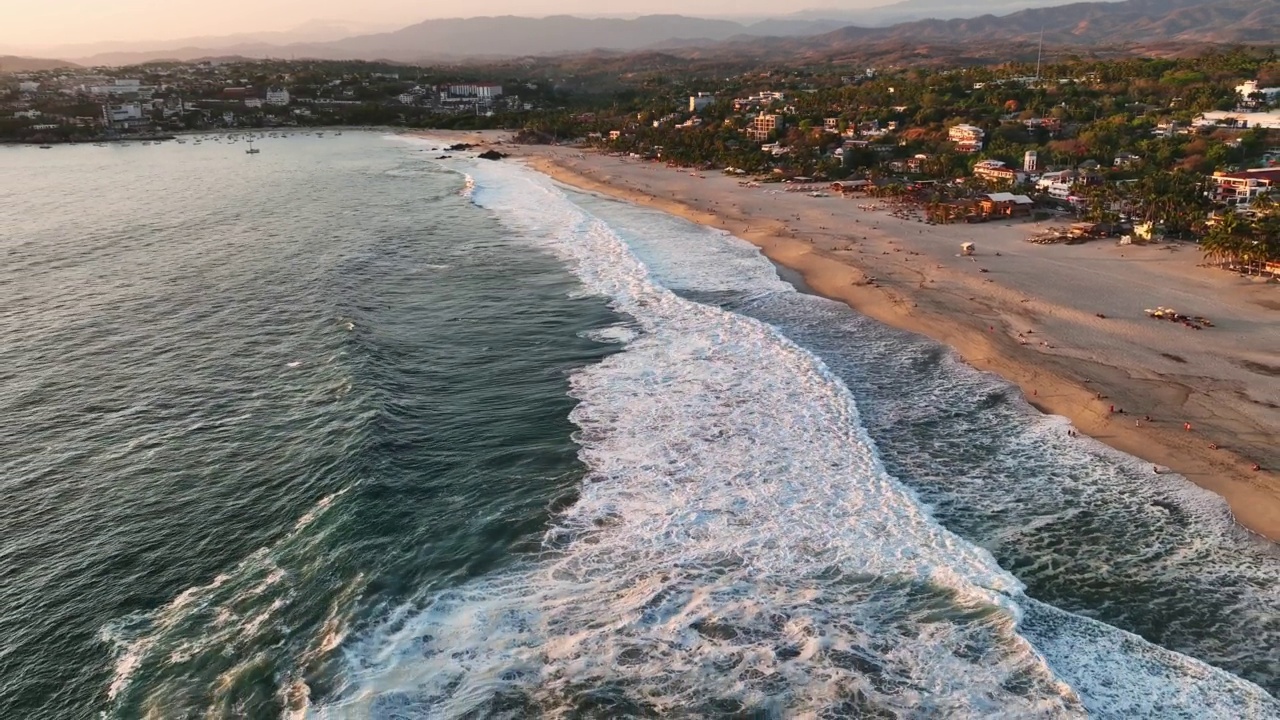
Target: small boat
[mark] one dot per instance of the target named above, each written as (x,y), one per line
(46,147)
(252,150)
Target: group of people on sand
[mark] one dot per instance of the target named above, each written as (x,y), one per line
(1186,426)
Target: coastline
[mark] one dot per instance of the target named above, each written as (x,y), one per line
(1080,366)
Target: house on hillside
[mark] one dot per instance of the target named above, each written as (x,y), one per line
(967,138)
(997,172)
(763,125)
(1240,188)
(1126,159)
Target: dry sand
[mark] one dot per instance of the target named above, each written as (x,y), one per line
(1224,381)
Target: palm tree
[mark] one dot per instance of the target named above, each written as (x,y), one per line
(1228,239)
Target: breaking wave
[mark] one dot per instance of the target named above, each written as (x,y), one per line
(738,547)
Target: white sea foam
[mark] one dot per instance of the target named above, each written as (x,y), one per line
(737,545)
(214,617)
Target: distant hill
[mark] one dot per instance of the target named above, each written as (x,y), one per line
(13,63)
(1129,22)
(1097,23)
(913,10)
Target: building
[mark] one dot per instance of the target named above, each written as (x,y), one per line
(1126,159)
(253,102)
(484,91)
(1050,124)
(113,114)
(1006,205)
(916,164)
(1250,93)
(995,171)
(1061,185)
(1031,161)
(277,96)
(1057,185)
(1240,188)
(968,138)
(27,114)
(831,125)
(762,126)
(763,98)
(28,86)
(701,101)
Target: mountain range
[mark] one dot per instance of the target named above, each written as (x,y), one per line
(1079,24)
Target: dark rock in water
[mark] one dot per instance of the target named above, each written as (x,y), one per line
(459,147)
(491,155)
(444,157)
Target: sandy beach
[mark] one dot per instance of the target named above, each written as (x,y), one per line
(1064,323)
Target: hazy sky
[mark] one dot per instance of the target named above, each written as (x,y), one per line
(30,24)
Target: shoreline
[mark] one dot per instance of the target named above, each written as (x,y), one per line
(979,318)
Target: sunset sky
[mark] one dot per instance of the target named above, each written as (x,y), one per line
(34,24)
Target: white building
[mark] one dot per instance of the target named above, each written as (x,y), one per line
(124,112)
(1057,184)
(28,86)
(701,101)
(968,138)
(1249,88)
(277,96)
(476,90)
(1030,161)
(253,102)
(1241,188)
(27,114)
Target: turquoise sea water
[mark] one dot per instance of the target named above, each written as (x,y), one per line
(338,430)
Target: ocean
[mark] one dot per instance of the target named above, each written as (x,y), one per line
(341,430)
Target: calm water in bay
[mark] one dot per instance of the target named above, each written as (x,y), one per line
(338,430)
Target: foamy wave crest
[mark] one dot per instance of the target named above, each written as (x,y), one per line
(212,624)
(736,547)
